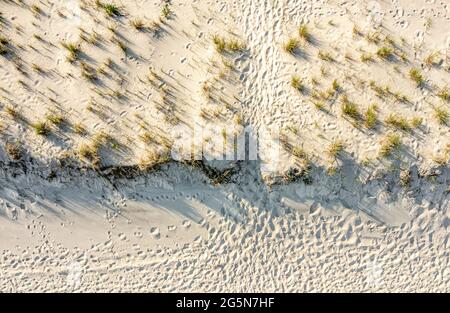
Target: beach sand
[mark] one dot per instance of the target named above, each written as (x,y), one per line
(346,102)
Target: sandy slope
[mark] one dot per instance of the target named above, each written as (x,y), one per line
(356,222)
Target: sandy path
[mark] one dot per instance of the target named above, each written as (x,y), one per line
(264,91)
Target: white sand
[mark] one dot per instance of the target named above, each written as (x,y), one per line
(358,229)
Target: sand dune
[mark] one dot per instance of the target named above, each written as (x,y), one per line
(224,146)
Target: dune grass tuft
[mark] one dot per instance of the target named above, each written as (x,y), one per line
(389,144)
(335,148)
(297,84)
(385,53)
(371,117)
(416,76)
(441,115)
(349,108)
(111,9)
(398,122)
(291,45)
(41,128)
(303,32)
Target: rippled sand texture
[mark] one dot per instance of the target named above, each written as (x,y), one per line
(356,197)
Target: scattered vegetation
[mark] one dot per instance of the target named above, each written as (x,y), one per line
(441,115)
(55,119)
(11,111)
(444,94)
(166,12)
(326,56)
(14,151)
(220,43)
(441,159)
(41,128)
(73,50)
(371,117)
(232,45)
(335,148)
(430,59)
(319,105)
(299,152)
(349,108)
(36,9)
(366,57)
(405,178)
(356,31)
(303,32)
(36,68)
(385,53)
(335,85)
(152,160)
(416,122)
(79,129)
(389,144)
(297,84)
(111,9)
(89,152)
(416,76)
(291,46)
(138,24)
(398,122)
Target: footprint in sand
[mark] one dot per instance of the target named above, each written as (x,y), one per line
(172,228)
(186,224)
(154,231)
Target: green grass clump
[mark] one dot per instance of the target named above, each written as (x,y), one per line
(416,76)
(89,152)
(441,115)
(291,45)
(349,108)
(416,122)
(390,143)
(319,105)
(235,45)
(231,45)
(73,49)
(444,94)
(366,57)
(385,53)
(335,148)
(219,43)
(398,122)
(297,84)
(41,128)
(335,85)
(55,119)
(326,56)
(166,12)
(371,117)
(299,152)
(111,9)
(303,32)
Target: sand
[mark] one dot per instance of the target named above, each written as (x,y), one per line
(91,199)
